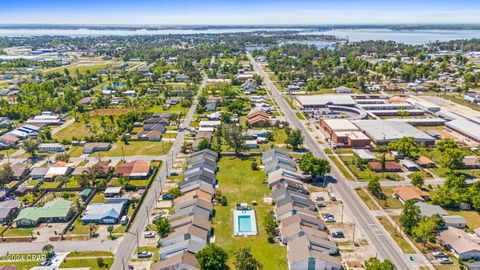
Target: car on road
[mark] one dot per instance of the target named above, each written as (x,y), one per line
(338,234)
(445,261)
(149,234)
(144,254)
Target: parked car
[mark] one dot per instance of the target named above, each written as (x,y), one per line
(445,261)
(130,267)
(329,219)
(144,254)
(338,234)
(149,234)
(321,204)
(124,220)
(320,199)
(166,197)
(439,254)
(71,227)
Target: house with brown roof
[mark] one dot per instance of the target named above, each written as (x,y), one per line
(390,166)
(258,118)
(204,204)
(460,243)
(20,171)
(290,209)
(138,169)
(304,220)
(425,162)
(93,147)
(197,221)
(193,195)
(410,193)
(184,261)
(149,135)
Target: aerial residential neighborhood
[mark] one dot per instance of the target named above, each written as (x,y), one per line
(297,135)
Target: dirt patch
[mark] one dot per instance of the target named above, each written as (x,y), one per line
(109,111)
(18,239)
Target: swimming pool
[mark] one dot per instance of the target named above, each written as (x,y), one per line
(244,222)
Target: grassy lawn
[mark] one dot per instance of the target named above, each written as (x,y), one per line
(92,263)
(366,199)
(389,202)
(241,184)
(78,129)
(137,148)
(341,167)
(18,232)
(75,151)
(49,184)
(22,265)
(89,254)
(81,228)
(366,174)
(402,243)
(98,198)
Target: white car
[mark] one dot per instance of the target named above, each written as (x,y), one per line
(149,234)
(445,261)
(145,254)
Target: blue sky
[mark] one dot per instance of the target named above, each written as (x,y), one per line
(239,12)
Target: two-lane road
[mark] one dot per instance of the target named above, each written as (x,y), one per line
(129,240)
(374,232)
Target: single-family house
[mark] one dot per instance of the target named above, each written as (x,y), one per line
(93,147)
(51,148)
(184,260)
(105,213)
(8,210)
(460,243)
(58,210)
(410,193)
(138,169)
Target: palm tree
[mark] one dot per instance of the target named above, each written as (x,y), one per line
(110,230)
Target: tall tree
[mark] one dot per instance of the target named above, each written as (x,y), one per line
(294,138)
(244,260)
(374,187)
(163,226)
(232,134)
(376,264)
(212,257)
(410,216)
(425,230)
(31,146)
(406,146)
(314,166)
(6,174)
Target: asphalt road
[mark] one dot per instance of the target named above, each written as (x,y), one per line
(374,232)
(129,241)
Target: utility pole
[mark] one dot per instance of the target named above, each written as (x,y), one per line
(123,154)
(353,233)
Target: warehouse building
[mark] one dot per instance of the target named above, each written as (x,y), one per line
(315,102)
(465,127)
(384,131)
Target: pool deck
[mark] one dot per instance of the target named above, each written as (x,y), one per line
(253,220)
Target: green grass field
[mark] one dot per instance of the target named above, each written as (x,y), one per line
(78,129)
(241,184)
(139,148)
(92,263)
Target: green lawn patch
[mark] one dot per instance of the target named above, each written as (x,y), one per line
(341,167)
(137,148)
(92,263)
(80,254)
(81,228)
(366,199)
(402,243)
(19,232)
(241,184)
(154,250)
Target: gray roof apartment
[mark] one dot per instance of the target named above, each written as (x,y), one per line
(193,210)
(203,186)
(184,261)
(177,248)
(197,221)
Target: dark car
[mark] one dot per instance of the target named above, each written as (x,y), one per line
(338,235)
(167,197)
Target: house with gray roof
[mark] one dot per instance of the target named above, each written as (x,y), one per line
(177,248)
(429,210)
(105,213)
(308,252)
(8,210)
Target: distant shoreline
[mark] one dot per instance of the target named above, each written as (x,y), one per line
(397,27)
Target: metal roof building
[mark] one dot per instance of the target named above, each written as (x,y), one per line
(384,131)
(465,127)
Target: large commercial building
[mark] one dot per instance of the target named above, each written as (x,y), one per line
(316,102)
(465,127)
(384,131)
(344,133)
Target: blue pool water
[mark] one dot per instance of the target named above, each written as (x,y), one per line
(244,224)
